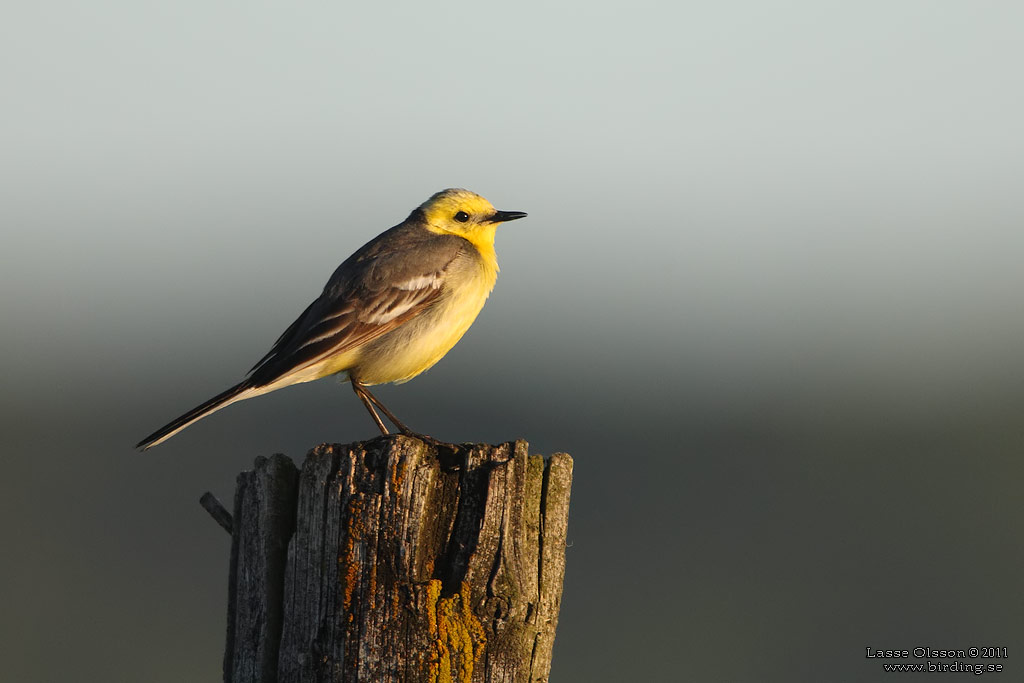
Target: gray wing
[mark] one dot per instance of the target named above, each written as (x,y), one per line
(389,281)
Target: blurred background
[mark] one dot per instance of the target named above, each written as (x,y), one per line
(768,297)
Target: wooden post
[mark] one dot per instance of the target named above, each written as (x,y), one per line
(397,560)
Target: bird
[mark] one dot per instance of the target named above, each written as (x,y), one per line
(389,312)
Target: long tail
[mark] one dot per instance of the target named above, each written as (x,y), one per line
(236,393)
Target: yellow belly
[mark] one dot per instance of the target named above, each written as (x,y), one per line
(418,344)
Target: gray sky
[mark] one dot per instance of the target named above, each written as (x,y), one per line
(789,173)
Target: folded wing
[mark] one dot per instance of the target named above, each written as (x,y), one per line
(368,296)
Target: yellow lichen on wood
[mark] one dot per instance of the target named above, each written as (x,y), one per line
(457,636)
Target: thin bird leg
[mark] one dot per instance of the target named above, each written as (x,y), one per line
(369,400)
(391,416)
(405,430)
(364,396)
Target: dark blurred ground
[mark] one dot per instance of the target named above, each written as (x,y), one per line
(766,536)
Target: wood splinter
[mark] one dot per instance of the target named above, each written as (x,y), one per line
(217,510)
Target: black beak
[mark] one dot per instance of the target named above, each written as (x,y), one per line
(504,216)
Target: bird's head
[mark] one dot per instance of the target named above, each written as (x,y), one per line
(464,213)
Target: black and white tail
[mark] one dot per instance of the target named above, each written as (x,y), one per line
(238,392)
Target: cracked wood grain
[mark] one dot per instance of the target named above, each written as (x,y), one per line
(413,561)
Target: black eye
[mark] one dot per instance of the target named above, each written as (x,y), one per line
(462,216)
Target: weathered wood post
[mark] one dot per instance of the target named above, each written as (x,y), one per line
(397,560)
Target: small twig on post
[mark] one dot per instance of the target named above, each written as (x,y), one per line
(217,510)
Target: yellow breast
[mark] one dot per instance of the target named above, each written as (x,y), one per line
(421,342)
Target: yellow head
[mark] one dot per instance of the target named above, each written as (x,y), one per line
(466,214)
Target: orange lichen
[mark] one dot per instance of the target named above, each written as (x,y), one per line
(354,532)
(397,477)
(396,599)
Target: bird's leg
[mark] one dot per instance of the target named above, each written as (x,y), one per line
(391,416)
(369,400)
(402,428)
(366,397)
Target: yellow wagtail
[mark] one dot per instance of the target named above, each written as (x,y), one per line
(390,311)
